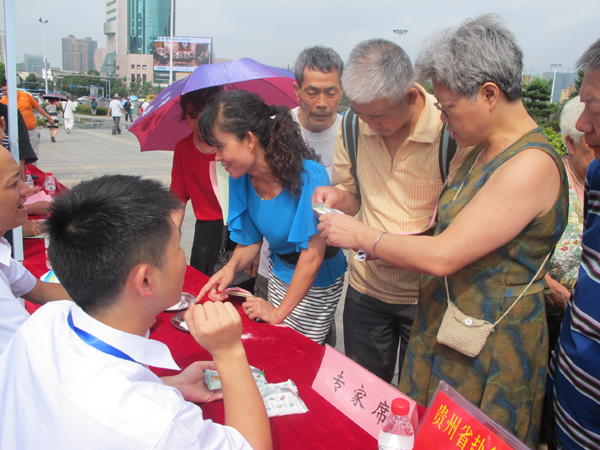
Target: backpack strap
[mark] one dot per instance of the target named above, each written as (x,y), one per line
(350,136)
(447,152)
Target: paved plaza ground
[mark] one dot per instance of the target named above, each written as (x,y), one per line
(91,151)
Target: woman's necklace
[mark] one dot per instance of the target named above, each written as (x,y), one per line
(574,176)
(199,146)
(268,197)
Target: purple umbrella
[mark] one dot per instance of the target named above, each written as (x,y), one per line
(160,126)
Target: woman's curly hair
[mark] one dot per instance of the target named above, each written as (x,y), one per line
(240,112)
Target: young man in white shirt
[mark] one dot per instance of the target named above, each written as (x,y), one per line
(115,109)
(15,280)
(77,372)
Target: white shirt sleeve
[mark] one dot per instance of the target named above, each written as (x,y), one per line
(15,281)
(189,430)
(20,279)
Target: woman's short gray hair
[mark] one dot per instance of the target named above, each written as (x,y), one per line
(479,50)
(318,58)
(378,69)
(590,58)
(568,118)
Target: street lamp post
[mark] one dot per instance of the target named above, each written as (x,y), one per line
(555,66)
(400,33)
(171,50)
(44,70)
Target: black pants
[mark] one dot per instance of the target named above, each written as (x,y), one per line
(372,331)
(207,243)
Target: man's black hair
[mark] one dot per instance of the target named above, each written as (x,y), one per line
(101,229)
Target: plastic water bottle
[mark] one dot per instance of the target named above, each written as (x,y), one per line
(46,244)
(397,432)
(50,184)
(28,179)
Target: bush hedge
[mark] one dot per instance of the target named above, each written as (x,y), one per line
(555,140)
(87,109)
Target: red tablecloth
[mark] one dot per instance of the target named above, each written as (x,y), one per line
(280,351)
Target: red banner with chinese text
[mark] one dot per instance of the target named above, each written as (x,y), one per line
(452,422)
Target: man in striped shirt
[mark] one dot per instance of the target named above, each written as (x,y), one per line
(399,179)
(574,376)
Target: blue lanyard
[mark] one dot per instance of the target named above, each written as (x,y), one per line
(97,343)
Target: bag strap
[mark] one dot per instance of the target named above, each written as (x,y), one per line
(224,239)
(447,152)
(350,136)
(515,302)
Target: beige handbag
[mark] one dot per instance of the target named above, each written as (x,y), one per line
(466,334)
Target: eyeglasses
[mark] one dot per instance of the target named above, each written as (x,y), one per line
(445,110)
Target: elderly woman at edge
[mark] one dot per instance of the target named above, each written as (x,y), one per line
(498,219)
(564,264)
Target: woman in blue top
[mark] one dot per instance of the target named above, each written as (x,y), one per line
(273,175)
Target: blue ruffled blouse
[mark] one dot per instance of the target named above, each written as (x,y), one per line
(287,223)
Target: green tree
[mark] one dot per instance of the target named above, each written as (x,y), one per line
(156,89)
(146,88)
(2,77)
(578,82)
(134,88)
(33,82)
(536,98)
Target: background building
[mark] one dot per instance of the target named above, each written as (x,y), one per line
(130,29)
(563,82)
(34,64)
(78,54)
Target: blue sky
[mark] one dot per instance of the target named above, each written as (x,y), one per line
(275,31)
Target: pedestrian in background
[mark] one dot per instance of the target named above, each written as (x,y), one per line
(52,110)
(116,111)
(69,115)
(94,106)
(127,109)
(27,104)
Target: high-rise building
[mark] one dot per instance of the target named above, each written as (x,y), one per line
(35,64)
(78,54)
(147,19)
(563,81)
(130,29)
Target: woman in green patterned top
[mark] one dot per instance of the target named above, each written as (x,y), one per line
(498,220)
(564,264)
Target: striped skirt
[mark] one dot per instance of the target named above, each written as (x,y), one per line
(315,313)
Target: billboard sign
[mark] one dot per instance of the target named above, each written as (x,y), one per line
(188,53)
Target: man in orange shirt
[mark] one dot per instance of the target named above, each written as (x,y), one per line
(26,104)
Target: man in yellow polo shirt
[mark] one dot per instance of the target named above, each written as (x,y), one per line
(398,171)
(27,104)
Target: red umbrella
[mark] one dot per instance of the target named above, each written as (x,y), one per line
(160,126)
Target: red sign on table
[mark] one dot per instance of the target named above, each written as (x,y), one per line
(452,422)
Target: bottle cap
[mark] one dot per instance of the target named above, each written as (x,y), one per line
(49,174)
(400,407)
(27,172)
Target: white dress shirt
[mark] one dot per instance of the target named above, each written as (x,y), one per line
(60,392)
(15,280)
